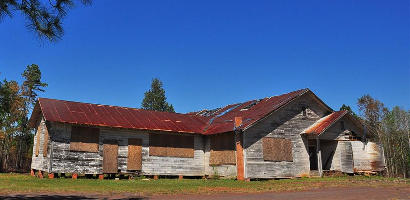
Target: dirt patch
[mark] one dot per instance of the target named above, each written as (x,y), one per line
(317,194)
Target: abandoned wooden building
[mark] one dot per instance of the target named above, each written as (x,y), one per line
(290,135)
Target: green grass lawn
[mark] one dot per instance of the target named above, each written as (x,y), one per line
(24,183)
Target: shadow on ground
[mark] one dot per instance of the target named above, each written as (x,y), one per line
(58,197)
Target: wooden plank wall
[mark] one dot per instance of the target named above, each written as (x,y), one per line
(226,171)
(335,132)
(66,161)
(346,157)
(41,161)
(367,156)
(287,123)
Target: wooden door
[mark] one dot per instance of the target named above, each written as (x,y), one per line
(110,156)
(134,160)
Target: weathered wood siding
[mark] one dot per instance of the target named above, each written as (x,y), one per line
(367,156)
(335,132)
(66,161)
(346,156)
(226,171)
(328,149)
(41,162)
(156,165)
(287,122)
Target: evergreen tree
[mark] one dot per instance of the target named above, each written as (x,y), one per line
(346,107)
(32,83)
(154,99)
(44,17)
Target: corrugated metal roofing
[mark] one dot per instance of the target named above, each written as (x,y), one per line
(250,111)
(202,122)
(121,117)
(325,122)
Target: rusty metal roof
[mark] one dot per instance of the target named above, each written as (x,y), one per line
(325,122)
(250,111)
(203,122)
(114,116)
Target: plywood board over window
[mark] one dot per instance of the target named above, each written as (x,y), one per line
(110,156)
(277,149)
(168,145)
(134,154)
(222,149)
(84,139)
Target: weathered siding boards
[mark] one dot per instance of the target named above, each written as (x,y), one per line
(41,161)
(287,122)
(367,156)
(157,165)
(226,171)
(66,161)
(328,150)
(336,132)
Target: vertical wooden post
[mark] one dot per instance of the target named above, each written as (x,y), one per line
(240,166)
(319,157)
(74,176)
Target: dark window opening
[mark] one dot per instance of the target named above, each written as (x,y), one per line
(342,125)
(304,112)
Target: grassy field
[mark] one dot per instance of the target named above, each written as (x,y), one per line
(23,183)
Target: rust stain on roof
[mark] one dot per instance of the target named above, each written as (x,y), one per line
(204,122)
(325,122)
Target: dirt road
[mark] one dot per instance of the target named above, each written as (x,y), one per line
(327,193)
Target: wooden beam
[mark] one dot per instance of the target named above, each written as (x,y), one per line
(319,157)
(240,166)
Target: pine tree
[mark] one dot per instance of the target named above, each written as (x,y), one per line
(43,17)
(347,108)
(154,99)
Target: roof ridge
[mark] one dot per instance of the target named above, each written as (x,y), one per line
(140,109)
(193,112)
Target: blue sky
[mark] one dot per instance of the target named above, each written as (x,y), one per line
(213,53)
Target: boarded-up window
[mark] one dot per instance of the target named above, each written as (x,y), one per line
(277,149)
(84,139)
(171,145)
(45,141)
(110,156)
(222,149)
(38,140)
(134,154)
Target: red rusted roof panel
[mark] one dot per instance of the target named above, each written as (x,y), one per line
(325,122)
(250,111)
(202,122)
(113,116)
